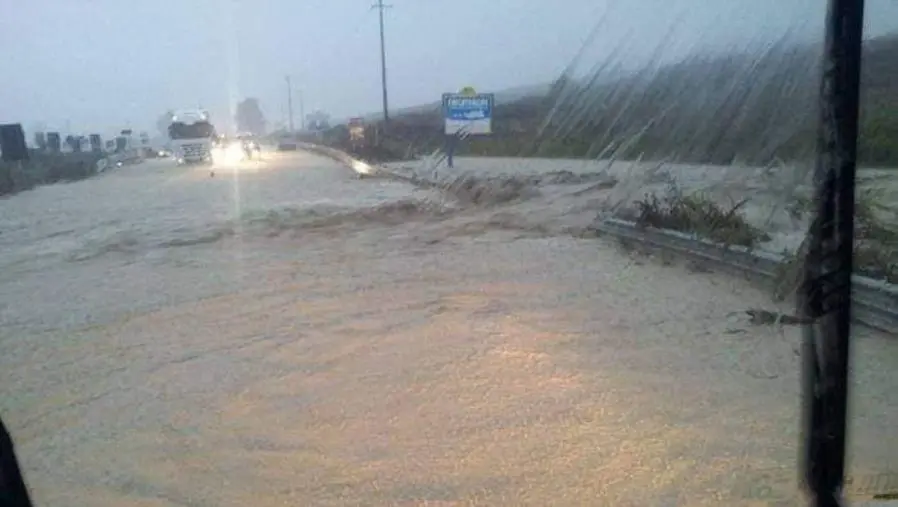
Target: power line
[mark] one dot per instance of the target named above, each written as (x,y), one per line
(380,6)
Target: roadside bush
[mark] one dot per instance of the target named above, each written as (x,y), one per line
(876,237)
(46,168)
(747,108)
(380,148)
(878,139)
(695,214)
(875,247)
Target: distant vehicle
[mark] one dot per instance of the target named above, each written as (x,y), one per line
(250,144)
(286,143)
(191,136)
(229,151)
(250,140)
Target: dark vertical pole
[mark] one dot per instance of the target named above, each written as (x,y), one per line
(383,59)
(302,112)
(826,290)
(289,104)
(451,144)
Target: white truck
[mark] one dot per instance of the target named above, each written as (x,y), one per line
(191,137)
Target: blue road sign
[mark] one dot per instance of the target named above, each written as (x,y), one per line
(468,113)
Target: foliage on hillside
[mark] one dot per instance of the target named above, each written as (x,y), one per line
(748,108)
(753,109)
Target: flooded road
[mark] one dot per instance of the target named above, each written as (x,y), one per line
(288,334)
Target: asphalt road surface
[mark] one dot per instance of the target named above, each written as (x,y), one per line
(285,333)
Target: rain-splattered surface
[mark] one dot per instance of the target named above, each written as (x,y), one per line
(292,335)
(770,194)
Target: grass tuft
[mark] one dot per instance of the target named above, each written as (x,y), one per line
(697,214)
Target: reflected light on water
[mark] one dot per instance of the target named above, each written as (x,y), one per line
(361,167)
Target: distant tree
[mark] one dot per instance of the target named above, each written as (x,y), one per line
(163,122)
(40,141)
(249,117)
(74,143)
(318,121)
(96,143)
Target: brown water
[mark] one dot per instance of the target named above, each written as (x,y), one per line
(292,335)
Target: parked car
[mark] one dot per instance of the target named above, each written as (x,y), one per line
(287,144)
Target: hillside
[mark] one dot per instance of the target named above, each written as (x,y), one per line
(751,108)
(503,97)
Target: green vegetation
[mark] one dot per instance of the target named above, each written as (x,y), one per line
(696,214)
(45,168)
(876,236)
(876,247)
(876,242)
(742,108)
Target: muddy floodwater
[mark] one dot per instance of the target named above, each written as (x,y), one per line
(290,334)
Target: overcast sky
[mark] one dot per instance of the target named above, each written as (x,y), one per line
(101,65)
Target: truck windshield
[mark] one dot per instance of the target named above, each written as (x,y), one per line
(201,129)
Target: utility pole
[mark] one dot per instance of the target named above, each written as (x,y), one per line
(289,104)
(302,112)
(380,6)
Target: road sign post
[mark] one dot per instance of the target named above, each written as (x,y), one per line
(451,144)
(464,114)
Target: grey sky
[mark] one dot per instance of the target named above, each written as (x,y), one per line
(105,64)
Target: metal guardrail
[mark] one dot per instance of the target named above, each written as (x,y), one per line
(362,169)
(327,151)
(111,160)
(874,302)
